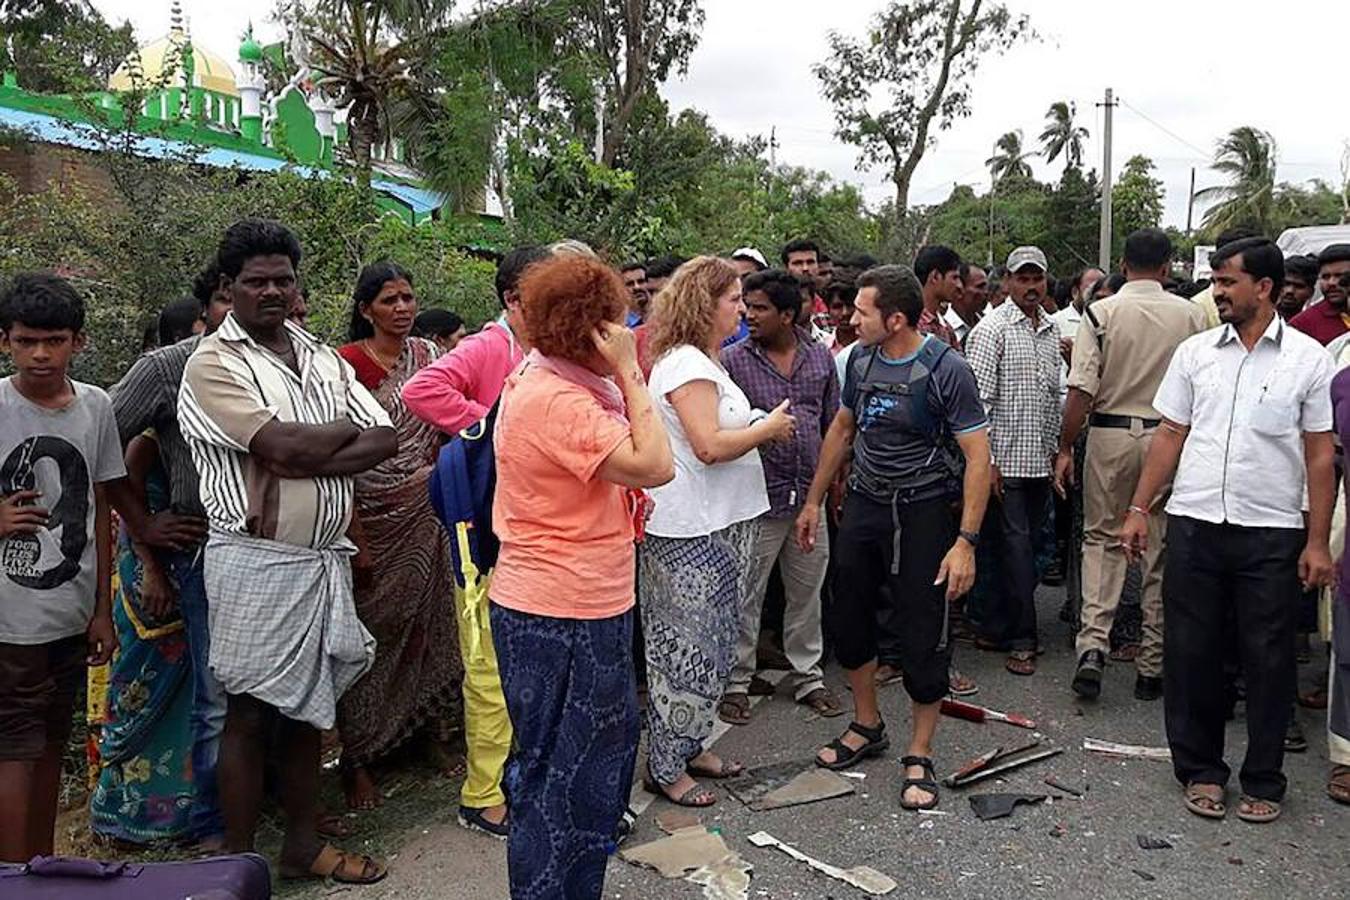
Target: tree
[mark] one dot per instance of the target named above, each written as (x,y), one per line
(1009,160)
(490,74)
(921,55)
(1061,135)
(61,46)
(1313,203)
(1136,202)
(634,45)
(369,54)
(1072,214)
(1247,157)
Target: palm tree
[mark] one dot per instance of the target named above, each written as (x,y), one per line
(1061,135)
(1009,159)
(1247,156)
(367,54)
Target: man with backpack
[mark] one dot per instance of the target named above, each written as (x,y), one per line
(910,416)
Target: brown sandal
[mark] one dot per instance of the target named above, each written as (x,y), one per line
(1338,786)
(1246,810)
(734,709)
(1203,805)
(336,864)
(1021,662)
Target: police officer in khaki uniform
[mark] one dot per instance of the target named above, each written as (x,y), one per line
(1120,355)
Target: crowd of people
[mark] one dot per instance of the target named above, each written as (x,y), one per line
(651,480)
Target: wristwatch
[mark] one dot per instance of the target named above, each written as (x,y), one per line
(970,537)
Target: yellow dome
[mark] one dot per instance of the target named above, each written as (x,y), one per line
(213,73)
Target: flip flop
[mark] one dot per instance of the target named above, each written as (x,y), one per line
(1203,806)
(337,865)
(1273,810)
(1021,662)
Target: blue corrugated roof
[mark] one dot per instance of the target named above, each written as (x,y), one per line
(52,130)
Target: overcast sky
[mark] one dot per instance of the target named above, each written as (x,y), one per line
(1185,72)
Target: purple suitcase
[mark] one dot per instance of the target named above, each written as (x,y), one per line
(240,877)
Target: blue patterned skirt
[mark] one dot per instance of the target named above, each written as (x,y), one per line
(692,593)
(572,698)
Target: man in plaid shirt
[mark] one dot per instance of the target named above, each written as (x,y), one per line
(1014,352)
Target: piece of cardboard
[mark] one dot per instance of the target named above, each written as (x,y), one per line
(788,784)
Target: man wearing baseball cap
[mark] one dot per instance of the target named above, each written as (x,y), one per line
(1014,352)
(747,260)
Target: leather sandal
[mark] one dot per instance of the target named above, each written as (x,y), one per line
(846,756)
(822,702)
(696,796)
(724,770)
(341,866)
(734,708)
(1246,810)
(1021,662)
(928,783)
(1203,805)
(1338,785)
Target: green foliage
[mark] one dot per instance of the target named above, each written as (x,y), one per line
(136,246)
(1010,159)
(1062,220)
(690,190)
(1247,158)
(61,46)
(1061,135)
(1136,202)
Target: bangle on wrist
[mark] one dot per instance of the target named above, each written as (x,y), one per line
(1143,511)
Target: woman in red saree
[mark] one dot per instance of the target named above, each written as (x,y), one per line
(404,591)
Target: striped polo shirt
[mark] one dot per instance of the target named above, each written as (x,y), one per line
(231,388)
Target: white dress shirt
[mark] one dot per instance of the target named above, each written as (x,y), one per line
(1242,462)
(1067,319)
(958,324)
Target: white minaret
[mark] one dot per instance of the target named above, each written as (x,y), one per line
(250,84)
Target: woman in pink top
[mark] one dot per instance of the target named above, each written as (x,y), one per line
(576,441)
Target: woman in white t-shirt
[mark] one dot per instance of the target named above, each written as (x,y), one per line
(695,563)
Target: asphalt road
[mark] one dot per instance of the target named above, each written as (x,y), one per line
(1066,848)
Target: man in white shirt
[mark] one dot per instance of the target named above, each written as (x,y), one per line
(1246,423)
(965,311)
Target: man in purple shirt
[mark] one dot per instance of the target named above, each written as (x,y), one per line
(780,362)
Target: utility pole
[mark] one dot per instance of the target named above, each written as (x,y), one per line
(1190,203)
(773,149)
(1104,245)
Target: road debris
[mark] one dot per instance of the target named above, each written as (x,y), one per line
(1126,751)
(1147,876)
(788,784)
(700,857)
(673,820)
(1061,786)
(1149,842)
(998,806)
(959,709)
(1059,830)
(864,878)
(989,765)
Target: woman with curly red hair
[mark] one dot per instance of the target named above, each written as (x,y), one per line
(576,441)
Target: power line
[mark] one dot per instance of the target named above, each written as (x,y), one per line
(1204,154)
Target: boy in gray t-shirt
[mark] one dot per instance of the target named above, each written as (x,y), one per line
(58,448)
